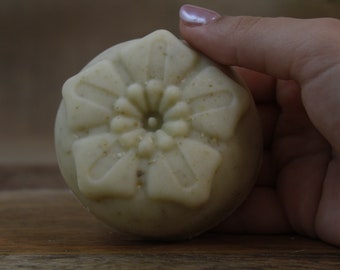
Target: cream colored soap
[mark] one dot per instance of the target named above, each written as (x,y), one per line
(156,140)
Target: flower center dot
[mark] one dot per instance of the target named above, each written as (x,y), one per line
(153,122)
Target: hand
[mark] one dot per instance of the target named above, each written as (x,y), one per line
(292,67)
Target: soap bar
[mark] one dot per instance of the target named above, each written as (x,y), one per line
(155,140)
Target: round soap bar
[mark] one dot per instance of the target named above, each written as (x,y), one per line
(155,140)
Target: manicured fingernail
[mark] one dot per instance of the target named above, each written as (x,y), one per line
(195,16)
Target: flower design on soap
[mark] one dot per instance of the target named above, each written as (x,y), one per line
(150,117)
(144,121)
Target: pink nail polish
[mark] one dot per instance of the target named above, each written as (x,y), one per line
(195,16)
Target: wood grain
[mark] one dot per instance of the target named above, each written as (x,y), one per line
(50,227)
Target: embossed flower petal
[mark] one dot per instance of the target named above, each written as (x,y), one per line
(87,151)
(193,151)
(124,107)
(100,172)
(88,95)
(122,124)
(95,95)
(179,60)
(176,128)
(136,69)
(81,112)
(163,184)
(154,91)
(105,76)
(140,57)
(165,176)
(180,110)
(170,96)
(205,122)
(135,93)
(146,147)
(212,96)
(131,138)
(164,141)
(208,81)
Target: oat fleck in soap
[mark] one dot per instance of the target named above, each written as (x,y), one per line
(155,140)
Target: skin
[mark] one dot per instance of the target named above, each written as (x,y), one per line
(292,67)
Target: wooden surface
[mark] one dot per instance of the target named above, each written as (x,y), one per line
(49,229)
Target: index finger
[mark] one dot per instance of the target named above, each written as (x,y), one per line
(281,47)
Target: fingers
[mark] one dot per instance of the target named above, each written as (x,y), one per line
(251,42)
(260,213)
(263,88)
(281,47)
(299,187)
(267,173)
(328,214)
(261,85)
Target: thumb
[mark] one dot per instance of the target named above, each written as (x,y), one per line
(304,50)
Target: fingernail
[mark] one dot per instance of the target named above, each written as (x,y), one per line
(196,16)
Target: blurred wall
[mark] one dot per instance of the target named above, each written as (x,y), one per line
(43,42)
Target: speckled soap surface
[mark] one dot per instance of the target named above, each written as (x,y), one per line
(156,140)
